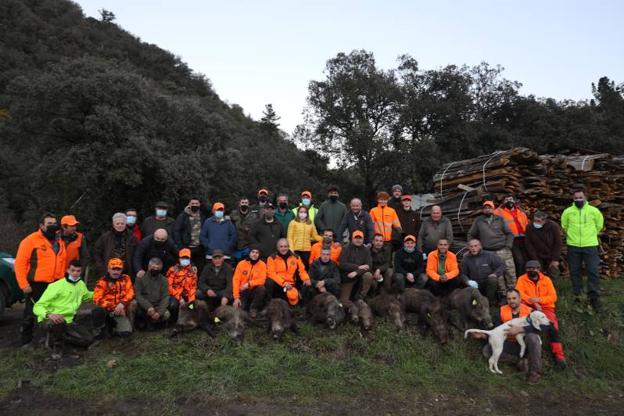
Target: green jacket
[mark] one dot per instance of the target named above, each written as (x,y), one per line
(152,291)
(582,225)
(62,297)
(329,215)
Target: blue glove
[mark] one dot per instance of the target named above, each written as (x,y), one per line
(424,256)
(473,284)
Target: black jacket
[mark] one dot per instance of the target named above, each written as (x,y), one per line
(182,229)
(353,256)
(264,236)
(479,267)
(147,249)
(327,272)
(405,262)
(220,283)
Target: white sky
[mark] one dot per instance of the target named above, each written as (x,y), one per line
(259,52)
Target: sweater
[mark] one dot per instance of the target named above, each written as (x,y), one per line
(543,243)
(218,235)
(492,232)
(431,232)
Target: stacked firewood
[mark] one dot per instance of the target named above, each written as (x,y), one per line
(544,182)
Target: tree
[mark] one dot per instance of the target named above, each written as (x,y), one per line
(352,113)
(270,119)
(106,16)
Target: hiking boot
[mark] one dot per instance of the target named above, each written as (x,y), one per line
(560,364)
(595,304)
(533,377)
(523,365)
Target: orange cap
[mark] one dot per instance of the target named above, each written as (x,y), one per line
(306,193)
(263,191)
(217,206)
(115,262)
(357,233)
(293,296)
(185,252)
(69,220)
(409,237)
(406,197)
(489,204)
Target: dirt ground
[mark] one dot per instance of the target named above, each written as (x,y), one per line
(26,399)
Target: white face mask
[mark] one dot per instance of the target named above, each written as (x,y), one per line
(303,215)
(185,262)
(161,212)
(538,226)
(72,278)
(131,220)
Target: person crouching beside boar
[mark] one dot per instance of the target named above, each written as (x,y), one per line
(113,295)
(248,283)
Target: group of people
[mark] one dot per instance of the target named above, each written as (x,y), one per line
(270,249)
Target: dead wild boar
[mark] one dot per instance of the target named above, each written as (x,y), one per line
(233,321)
(473,308)
(324,308)
(430,311)
(190,316)
(388,305)
(280,318)
(365,315)
(352,312)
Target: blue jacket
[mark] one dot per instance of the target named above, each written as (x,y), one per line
(218,235)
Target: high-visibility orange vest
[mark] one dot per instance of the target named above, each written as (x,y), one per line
(73,249)
(506,313)
(516,225)
(384,219)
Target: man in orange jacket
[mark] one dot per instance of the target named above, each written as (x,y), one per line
(248,283)
(285,271)
(442,270)
(328,242)
(40,260)
(517,221)
(538,292)
(113,295)
(182,283)
(385,218)
(75,242)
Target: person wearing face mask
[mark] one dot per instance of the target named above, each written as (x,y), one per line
(283,213)
(151,296)
(248,288)
(214,287)
(263,200)
(582,223)
(356,220)
(409,266)
(158,245)
(329,243)
(57,307)
(385,219)
(75,242)
(538,292)
(114,310)
(266,232)
(517,222)
(119,242)
(543,243)
(301,232)
(186,231)
(331,211)
(494,235)
(306,201)
(442,270)
(182,283)
(158,221)
(243,218)
(40,260)
(218,232)
(132,224)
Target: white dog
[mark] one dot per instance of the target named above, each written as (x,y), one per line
(497,336)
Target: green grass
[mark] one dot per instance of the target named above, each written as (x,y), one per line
(320,365)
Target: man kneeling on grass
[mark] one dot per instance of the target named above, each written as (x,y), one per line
(113,297)
(57,307)
(152,296)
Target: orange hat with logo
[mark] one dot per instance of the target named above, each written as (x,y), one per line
(409,237)
(115,262)
(185,252)
(306,193)
(489,204)
(263,192)
(69,220)
(217,206)
(293,296)
(357,233)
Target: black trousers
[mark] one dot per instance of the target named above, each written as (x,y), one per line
(28,319)
(253,299)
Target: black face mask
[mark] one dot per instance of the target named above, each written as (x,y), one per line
(579,203)
(50,231)
(333,198)
(283,205)
(533,275)
(194,209)
(510,204)
(262,198)
(159,243)
(244,208)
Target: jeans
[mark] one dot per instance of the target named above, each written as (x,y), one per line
(588,255)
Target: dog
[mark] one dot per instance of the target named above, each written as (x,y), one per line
(497,336)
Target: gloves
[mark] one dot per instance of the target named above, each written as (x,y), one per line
(425,256)
(473,284)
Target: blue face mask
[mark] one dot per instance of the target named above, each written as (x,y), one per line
(131,220)
(306,201)
(185,262)
(538,226)
(218,214)
(161,212)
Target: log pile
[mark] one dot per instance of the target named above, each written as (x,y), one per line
(543,182)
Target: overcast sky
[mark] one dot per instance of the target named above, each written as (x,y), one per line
(259,52)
